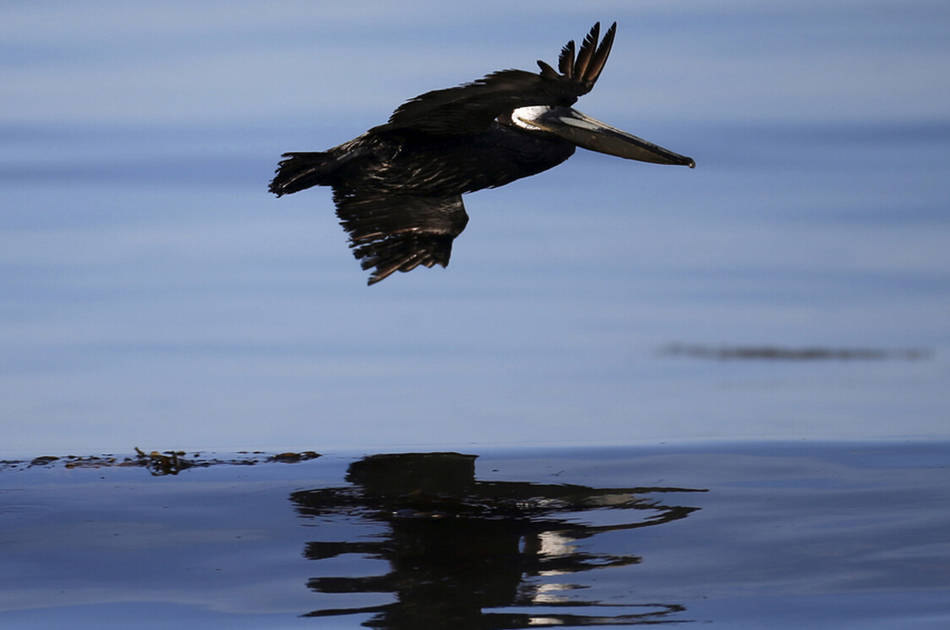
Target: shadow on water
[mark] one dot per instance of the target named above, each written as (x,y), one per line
(481,554)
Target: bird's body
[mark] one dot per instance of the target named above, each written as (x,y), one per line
(398,186)
(404,162)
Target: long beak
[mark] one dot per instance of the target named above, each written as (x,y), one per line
(592,134)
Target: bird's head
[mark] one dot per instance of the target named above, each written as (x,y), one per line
(577,77)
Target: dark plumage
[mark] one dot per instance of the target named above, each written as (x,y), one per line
(398,187)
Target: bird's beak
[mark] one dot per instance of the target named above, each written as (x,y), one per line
(592,134)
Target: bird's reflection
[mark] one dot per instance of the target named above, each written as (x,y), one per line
(481,554)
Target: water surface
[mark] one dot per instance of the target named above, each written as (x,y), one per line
(154,294)
(818,535)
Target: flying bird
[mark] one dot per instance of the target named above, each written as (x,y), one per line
(398,187)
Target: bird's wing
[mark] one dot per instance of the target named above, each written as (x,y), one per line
(472,107)
(390,233)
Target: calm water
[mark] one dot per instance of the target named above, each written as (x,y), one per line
(738,536)
(793,289)
(153,294)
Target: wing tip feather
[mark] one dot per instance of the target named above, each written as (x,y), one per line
(585,66)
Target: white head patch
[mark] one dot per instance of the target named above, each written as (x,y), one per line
(524,117)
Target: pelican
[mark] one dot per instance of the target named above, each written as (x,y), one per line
(398,187)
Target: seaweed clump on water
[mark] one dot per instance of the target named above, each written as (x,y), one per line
(158,463)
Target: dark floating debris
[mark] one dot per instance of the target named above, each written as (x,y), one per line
(779,353)
(159,463)
(46,460)
(293,458)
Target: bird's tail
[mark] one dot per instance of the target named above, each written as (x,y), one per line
(298,171)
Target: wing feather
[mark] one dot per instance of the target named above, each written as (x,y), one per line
(587,50)
(566,61)
(474,106)
(390,233)
(599,59)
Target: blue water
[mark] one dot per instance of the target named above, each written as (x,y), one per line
(153,294)
(741,370)
(755,535)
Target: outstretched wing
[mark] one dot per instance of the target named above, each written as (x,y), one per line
(390,233)
(472,107)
